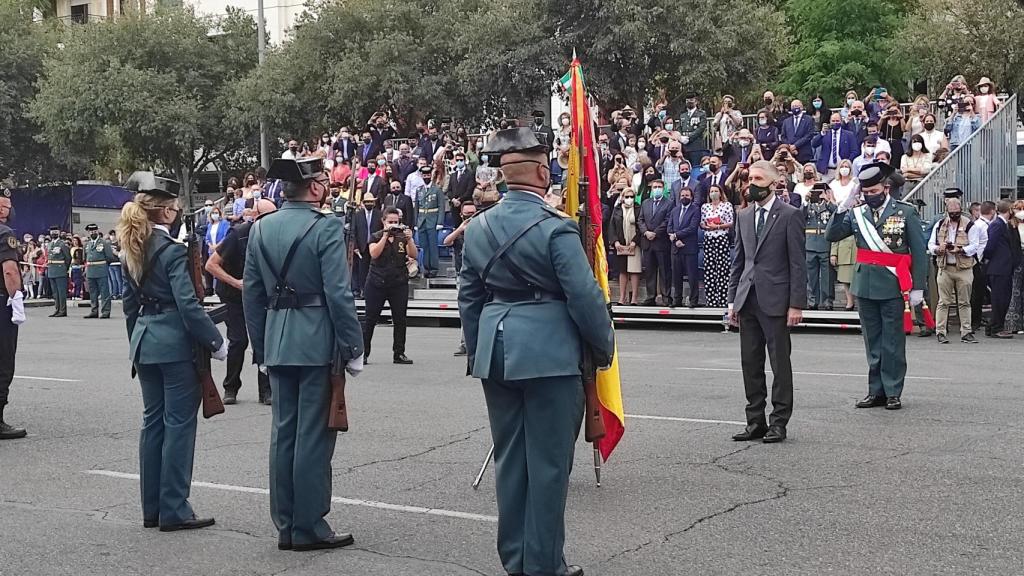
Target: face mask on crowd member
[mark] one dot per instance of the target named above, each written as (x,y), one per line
(762,120)
(215,216)
(657,191)
(714,165)
(685,197)
(669,126)
(628,199)
(844,171)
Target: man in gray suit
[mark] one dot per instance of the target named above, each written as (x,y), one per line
(767,296)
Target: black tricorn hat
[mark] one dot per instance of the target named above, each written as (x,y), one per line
(295,170)
(54,227)
(953,192)
(509,141)
(91,227)
(874,174)
(150,183)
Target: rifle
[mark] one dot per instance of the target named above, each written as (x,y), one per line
(593,421)
(338,419)
(350,209)
(212,403)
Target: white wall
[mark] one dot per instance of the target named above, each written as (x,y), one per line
(279,14)
(105,218)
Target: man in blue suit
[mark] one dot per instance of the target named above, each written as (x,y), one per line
(837,144)
(797,131)
(654,243)
(1001,259)
(682,232)
(686,180)
(715,176)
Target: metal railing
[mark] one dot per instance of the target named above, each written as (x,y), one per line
(983,166)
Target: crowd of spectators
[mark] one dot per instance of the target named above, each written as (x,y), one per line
(33,260)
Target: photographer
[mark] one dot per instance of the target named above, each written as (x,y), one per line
(388,280)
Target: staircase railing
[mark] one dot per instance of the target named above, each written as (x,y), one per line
(982,166)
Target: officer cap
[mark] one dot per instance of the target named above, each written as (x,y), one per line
(509,141)
(538,114)
(54,228)
(953,192)
(297,171)
(874,174)
(150,183)
(91,227)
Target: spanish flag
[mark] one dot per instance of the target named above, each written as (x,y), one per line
(583,163)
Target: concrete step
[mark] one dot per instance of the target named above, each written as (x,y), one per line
(435,294)
(441,282)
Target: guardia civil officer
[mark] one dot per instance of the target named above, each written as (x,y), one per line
(429,215)
(892,263)
(58,262)
(524,274)
(299,309)
(98,255)
(818,210)
(13,313)
(164,319)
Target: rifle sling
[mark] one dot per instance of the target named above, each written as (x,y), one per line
(282,275)
(499,251)
(150,264)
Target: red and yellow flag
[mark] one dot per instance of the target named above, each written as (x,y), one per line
(583,163)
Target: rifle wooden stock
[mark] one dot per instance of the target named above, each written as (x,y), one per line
(338,418)
(212,403)
(593,424)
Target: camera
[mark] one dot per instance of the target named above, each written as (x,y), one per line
(398,230)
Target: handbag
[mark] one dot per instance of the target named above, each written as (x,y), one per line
(621,250)
(413,268)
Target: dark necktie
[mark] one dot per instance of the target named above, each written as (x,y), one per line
(759,226)
(835,149)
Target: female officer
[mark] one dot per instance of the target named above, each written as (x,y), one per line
(164,320)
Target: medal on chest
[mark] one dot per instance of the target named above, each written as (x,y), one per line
(893,230)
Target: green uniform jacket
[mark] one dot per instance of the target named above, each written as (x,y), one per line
(98,254)
(428,206)
(900,227)
(541,338)
(167,336)
(300,336)
(58,258)
(816,219)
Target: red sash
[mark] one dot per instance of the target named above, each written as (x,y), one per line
(898,262)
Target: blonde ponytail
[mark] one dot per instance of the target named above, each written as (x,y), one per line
(134,229)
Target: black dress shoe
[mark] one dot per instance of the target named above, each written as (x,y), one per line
(150,523)
(230,398)
(893,403)
(281,545)
(775,434)
(925,333)
(751,432)
(61,315)
(574,571)
(942,339)
(870,401)
(54,315)
(192,523)
(402,359)
(91,316)
(105,316)
(648,302)
(460,352)
(8,432)
(333,541)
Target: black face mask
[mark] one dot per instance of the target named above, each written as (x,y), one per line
(94,235)
(54,236)
(684,175)
(758,193)
(954,215)
(929,125)
(175,225)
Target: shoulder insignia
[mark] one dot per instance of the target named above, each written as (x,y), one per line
(12,242)
(563,214)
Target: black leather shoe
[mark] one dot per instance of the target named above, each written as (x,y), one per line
(460,352)
(648,302)
(925,333)
(574,571)
(230,398)
(402,359)
(150,523)
(775,434)
(61,315)
(105,316)
(8,432)
(942,339)
(54,315)
(91,316)
(870,401)
(334,541)
(281,545)
(969,339)
(751,432)
(893,403)
(192,523)
(675,303)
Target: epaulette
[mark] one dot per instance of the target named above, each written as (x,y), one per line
(480,211)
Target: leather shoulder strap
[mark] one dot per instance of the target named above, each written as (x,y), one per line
(152,262)
(286,265)
(499,251)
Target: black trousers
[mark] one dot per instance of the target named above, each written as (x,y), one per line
(397,296)
(8,348)
(238,341)
(1002,289)
(685,265)
(360,271)
(760,332)
(657,264)
(979,294)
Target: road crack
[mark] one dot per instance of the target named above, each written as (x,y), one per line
(420,559)
(463,437)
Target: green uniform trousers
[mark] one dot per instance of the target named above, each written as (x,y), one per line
(886,344)
(301,448)
(534,424)
(99,295)
(59,291)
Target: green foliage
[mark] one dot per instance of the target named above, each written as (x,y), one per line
(157,89)
(976,40)
(842,45)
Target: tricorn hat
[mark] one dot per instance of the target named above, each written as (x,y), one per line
(301,170)
(150,183)
(874,174)
(952,192)
(512,140)
(91,227)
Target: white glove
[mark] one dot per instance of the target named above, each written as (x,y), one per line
(222,352)
(355,366)
(440,226)
(17,304)
(686,139)
(850,201)
(263,369)
(916,297)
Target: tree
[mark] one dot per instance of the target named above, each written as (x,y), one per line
(945,38)
(23,46)
(158,88)
(841,45)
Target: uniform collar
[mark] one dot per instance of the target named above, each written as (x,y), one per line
(162,227)
(523,195)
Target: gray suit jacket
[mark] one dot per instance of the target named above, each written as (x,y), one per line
(776,266)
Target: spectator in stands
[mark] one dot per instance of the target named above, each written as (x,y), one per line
(915,117)
(1003,256)
(715,176)
(808,180)
(654,243)
(985,101)
(767,134)
(979,290)
(955,92)
(626,234)
(851,97)
(736,183)
(716,221)
(844,183)
(798,130)
(619,170)
(692,129)
(834,145)
(344,145)
(867,156)
(773,109)
(726,122)
(891,128)
(391,249)
(292,152)
(238,205)
(643,190)
(405,164)
(857,121)
(669,166)
(741,149)
(934,139)
(1015,311)
(683,224)
(820,112)
(341,171)
(964,123)
(954,241)
(917,163)
(77,268)
(784,191)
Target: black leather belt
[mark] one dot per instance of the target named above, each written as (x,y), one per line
(513,297)
(153,308)
(287,301)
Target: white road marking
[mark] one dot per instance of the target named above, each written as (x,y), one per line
(812,373)
(675,419)
(335,499)
(20,377)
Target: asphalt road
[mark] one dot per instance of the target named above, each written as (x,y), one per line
(933,489)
